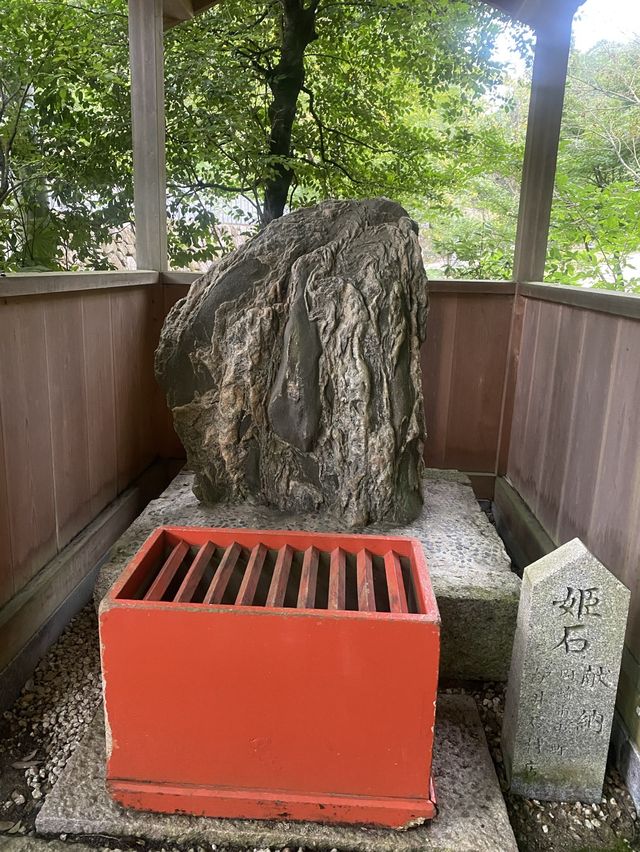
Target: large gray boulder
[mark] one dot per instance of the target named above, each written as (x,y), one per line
(293,369)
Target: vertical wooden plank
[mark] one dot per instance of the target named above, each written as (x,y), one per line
(526,360)
(194,574)
(562,389)
(510,380)
(66,378)
(479,367)
(612,525)
(631,573)
(395,583)
(24,398)
(6,555)
(247,590)
(147,117)
(221,578)
(168,571)
(100,399)
(280,577)
(535,432)
(594,382)
(134,382)
(308,579)
(337,580)
(437,367)
(364,577)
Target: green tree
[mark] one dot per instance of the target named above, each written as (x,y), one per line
(595,227)
(371,100)
(282,102)
(594,237)
(65,136)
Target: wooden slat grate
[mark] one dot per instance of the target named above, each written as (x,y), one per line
(257,575)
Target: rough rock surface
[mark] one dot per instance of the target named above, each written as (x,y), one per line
(472,815)
(470,571)
(293,367)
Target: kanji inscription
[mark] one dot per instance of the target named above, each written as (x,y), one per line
(564,674)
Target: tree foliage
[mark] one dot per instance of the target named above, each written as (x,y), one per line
(595,225)
(381,106)
(377,110)
(65,140)
(279,103)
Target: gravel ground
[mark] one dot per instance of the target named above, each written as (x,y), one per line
(49,719)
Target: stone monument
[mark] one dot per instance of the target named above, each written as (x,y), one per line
(564,674)
(292,367)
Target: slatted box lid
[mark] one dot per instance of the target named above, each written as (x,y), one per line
(275,569)
(272,674)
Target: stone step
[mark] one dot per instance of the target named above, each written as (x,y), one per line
(471,573)
(472,815)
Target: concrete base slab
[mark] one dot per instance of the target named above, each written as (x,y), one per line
(472,815)
(37,844)
(471,573)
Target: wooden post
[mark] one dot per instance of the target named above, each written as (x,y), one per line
(541,148)
(147,115)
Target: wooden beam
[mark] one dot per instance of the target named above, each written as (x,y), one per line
(147,114)
(17,285)
(601,301)
(541,147)
(178,11)
(536,14)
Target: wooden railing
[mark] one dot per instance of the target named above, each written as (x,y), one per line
(81,415)
(575,438)
(78,404)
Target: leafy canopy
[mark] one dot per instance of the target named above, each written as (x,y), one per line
(387,87)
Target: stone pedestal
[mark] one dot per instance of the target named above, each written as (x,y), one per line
(472,815)
(470,571)
(564,675)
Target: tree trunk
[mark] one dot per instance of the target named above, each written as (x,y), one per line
(286,81)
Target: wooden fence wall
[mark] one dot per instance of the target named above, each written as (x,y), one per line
(77,412)
(466,368)
(81,415)
(575,443)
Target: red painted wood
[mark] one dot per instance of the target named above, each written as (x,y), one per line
(308,579)
(337,579)
(249,583)
(195,572)
(167,572)
(216,590)
(366,597)
(280,577)
(269,805)
(207,751)
(395,583)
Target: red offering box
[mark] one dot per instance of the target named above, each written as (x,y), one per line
(272,675)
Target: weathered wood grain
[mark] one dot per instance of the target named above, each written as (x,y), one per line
(575,445)
(67,396)
(464,363)
(26,423)
(100,399)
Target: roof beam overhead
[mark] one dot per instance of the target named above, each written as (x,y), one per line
(537,14)
(177,11)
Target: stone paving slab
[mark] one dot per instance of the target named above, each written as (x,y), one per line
(37,844)
(471,573)
(472,814)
